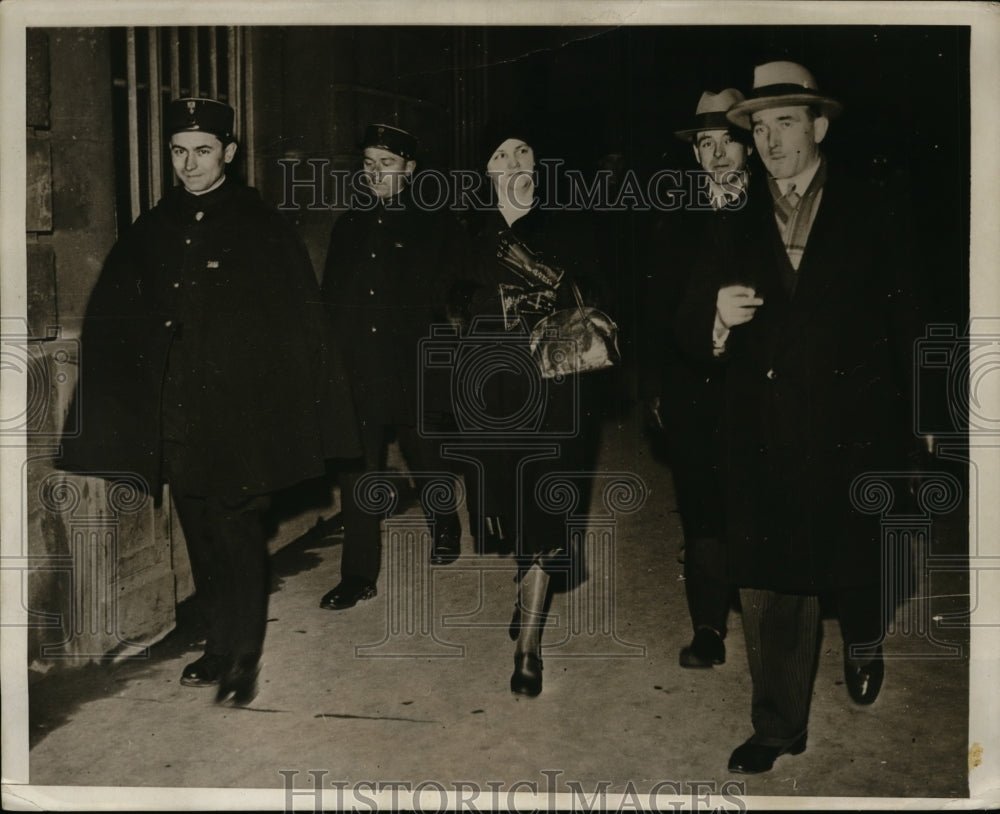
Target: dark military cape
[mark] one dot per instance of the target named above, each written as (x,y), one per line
(214,294)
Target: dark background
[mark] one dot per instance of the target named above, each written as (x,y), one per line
(591,90)
(905,123)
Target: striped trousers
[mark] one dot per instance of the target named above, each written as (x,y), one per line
(782,634)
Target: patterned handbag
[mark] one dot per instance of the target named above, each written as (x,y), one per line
(571,340)
(575,340)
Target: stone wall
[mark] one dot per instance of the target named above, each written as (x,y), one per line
(106,570)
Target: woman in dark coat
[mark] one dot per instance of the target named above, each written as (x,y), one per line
(521,262)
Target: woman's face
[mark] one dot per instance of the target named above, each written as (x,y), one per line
(511,167)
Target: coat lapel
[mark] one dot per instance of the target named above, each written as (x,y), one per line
(815,272)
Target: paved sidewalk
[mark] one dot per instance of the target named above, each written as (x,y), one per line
(412,686)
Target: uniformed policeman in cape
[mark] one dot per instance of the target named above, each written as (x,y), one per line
(384,286)
(207,362)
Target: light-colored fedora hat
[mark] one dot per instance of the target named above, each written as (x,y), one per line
(782,84)
(711,114)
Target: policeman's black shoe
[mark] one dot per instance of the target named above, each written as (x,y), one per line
(347,594)
(447,541)
(239,684)
(864,681)
(755,758)
(527,676)
(206,671)
(707,648)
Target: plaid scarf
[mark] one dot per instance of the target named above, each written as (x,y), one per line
(795,212)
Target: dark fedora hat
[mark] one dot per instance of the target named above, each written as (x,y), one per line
(782,84)
(711,113)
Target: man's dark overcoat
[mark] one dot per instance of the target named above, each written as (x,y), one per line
(214,294)
(817,386)
(689,387)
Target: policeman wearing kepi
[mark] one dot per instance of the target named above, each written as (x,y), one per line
(207,362)
(384,286)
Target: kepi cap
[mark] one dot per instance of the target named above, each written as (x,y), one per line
(203,115)
(386,137)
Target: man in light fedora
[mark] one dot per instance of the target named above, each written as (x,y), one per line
(815,335)
(684,394)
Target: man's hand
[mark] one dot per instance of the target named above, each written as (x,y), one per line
(735,305)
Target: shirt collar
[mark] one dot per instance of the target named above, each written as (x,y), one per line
(221,180)
(801,181)
(730,192)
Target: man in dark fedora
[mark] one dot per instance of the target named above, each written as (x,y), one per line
(383,287)
(684,393)
(815,334)
(207,362)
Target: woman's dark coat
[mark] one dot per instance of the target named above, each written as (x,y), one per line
(536,426)
(689,388)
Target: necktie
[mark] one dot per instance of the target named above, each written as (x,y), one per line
(787,203)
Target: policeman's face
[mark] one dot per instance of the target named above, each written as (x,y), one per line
(788,139)
(386,173)
(719,153)
(511,167)
(199,159)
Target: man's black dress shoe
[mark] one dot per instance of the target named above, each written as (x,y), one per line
(864,681)
(206,671)
(347,594)
(707,648)
(239,684)
(754,758)
(447,541)
(527,676)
